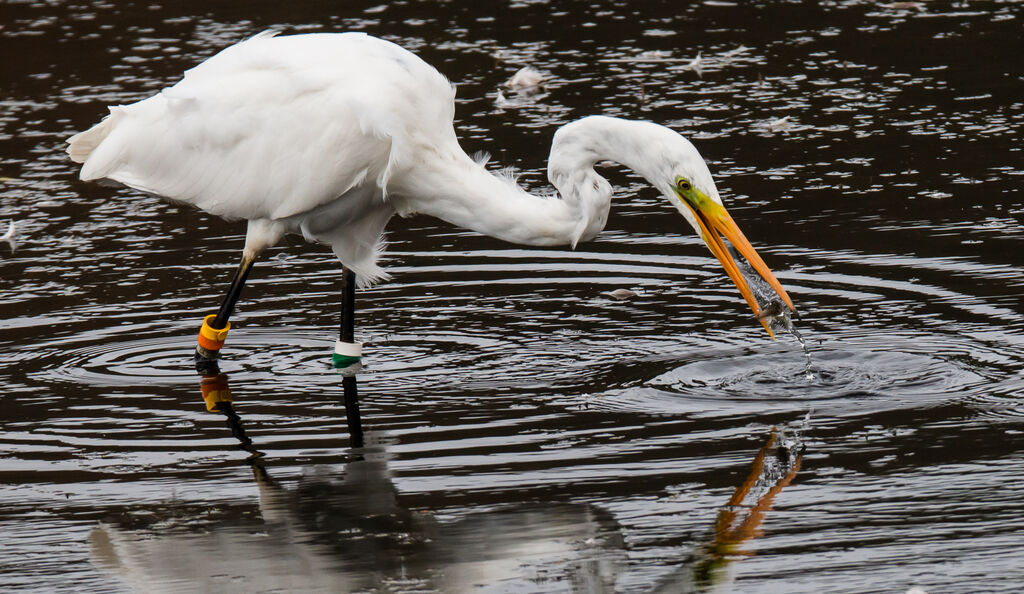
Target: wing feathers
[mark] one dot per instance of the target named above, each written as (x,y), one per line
(274,126)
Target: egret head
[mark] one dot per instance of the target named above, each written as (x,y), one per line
(686,181)
(672,164)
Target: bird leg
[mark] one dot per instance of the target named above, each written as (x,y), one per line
(215,326)
(346,356)
(346,350)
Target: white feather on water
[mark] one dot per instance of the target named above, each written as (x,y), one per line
(526,77)
(11,230)
(9,237)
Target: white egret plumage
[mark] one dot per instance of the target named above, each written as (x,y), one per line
(330,135)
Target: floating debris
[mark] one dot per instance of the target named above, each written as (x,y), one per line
(622,294)
(735,52)
(516,100)
(644,57)
(525,87)
(780,125)
(526,77)
(502,101)
(9,237)
(695,65)
(918,6)
(654,55)
(11,230)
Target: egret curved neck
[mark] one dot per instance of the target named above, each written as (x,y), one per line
(451,186)
(638,145)
(458,190)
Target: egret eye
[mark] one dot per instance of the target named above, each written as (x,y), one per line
(683,184)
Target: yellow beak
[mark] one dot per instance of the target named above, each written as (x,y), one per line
(715,222)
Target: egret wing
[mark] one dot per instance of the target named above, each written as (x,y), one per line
(274,126)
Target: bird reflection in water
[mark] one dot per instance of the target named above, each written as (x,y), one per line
(347,529)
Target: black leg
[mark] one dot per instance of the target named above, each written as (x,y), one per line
(234,291)
(215,327)
(348,305)
(347,351)
(346,356)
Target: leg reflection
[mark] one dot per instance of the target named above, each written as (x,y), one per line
(217,395)
(355,424)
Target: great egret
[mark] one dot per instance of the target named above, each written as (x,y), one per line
(331,134)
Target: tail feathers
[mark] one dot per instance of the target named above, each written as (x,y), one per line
(81,145)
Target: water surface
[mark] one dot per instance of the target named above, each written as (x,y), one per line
(525,430)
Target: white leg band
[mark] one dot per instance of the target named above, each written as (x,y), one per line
(348,349)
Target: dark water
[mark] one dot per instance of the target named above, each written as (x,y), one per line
(525,431)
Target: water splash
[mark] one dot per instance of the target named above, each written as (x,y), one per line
(773,310)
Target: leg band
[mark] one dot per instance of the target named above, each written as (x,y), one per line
(346,353)
(212,339)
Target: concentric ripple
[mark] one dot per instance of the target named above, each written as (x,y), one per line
(838,371)
(159,361)
(850,373)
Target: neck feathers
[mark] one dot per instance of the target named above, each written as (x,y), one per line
(645,147)
(456,189)
(451,186)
